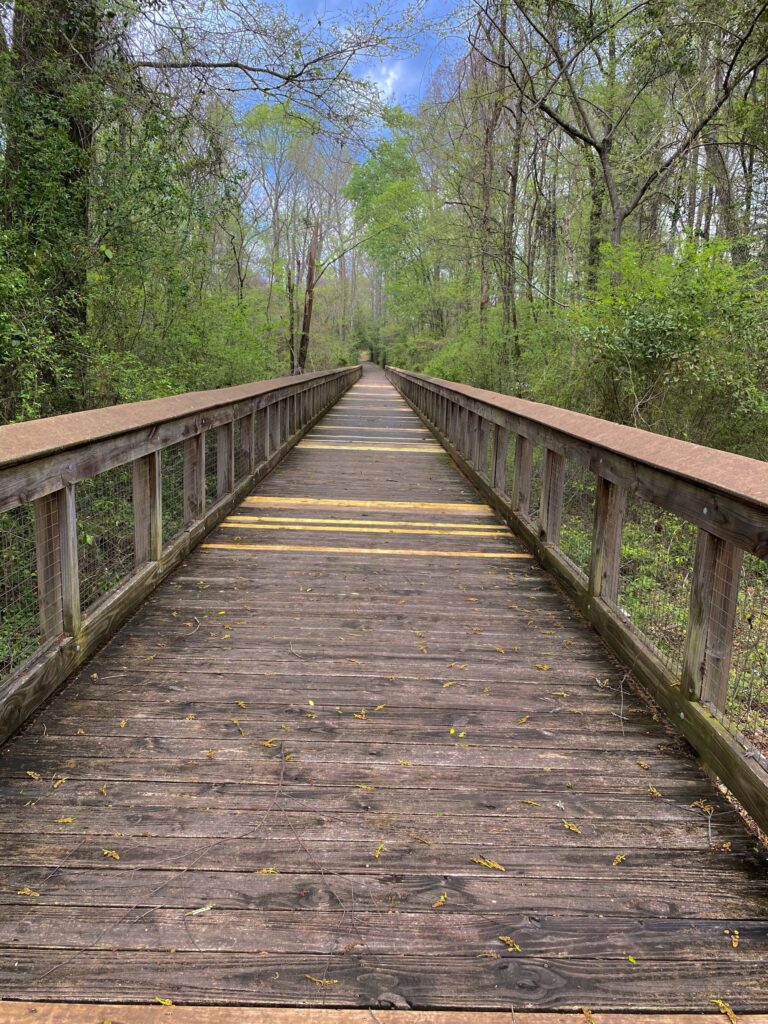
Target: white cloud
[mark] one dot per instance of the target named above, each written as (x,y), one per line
(386,78)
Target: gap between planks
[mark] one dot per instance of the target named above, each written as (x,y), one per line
(118,1013)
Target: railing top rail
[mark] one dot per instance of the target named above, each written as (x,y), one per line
(736,475)
(22,442)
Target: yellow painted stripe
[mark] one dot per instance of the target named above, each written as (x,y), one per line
(440,532)
(475,527)
(323,446)
(367,551)
(469,508)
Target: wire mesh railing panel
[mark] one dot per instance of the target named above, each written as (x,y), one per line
(657,556)
(746,707)
(578,515)
(211,461)
(105,539)
(19,607)
(172,470)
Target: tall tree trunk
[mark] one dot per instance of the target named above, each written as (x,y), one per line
(309,297)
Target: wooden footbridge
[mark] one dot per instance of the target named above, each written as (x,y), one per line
(373,713)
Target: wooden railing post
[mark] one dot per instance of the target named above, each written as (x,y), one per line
(500,449)
(610,507)
(244,439)
(521,496)
(147,509)
(552,489)
(711,619)
(194,478)
(225,458)
(274,427)
(70,568)
(48,566)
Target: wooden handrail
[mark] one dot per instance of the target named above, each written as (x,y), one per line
(43,462)
(724,495)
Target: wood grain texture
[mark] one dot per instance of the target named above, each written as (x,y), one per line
(296,767)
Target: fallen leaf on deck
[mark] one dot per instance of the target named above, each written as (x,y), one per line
(159,999)
(499,650)
(704,806)
(59,782)
(486,862)
(725,1009)
(450,682)
(571,826)
(362,785)
(523,720)
(440,901)
(631,959)
(200,910)
(644,765)
(510,943)
(405,764)
(241,704)
(123,722)
(267,871)
(112,854)
(269,743)
(321,981)
(733,936)
(542,666)
(619,859)
(381,848)
(379,707)
(654,793)
(531,803)
(26,891)
(35,775)
(63,821)
(490,954)
(362,714)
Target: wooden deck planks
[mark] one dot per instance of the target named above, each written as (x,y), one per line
(310,738)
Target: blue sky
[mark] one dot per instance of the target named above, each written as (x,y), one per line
(403,78)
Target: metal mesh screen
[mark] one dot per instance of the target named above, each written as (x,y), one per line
(19,609)
(654,578)
(578,515)
(747,699)
(172,469)
(104,532)
(211,462)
